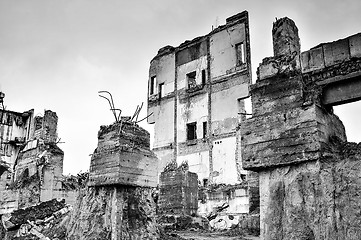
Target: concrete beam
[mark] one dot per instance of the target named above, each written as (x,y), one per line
(340,92)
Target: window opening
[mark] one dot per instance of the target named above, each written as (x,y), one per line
(204,129)
(240,106)
(152,85)
(205,182)
(243,177)
(240,54)
(161,90)
(192,131)
(191,80)
(203,77)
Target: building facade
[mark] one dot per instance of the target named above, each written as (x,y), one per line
(196,95)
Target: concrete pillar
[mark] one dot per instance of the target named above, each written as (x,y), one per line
(285,37)
(118,203)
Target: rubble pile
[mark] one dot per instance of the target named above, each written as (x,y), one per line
(72,182)
(170,222)
(36,222)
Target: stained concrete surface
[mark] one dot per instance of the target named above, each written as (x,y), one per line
(195,235)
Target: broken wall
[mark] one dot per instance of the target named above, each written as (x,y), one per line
(46,127)
(15,130)
(307,171)
(178,192)
(161,106)
(208,73)
(38,174)
(35,161)
(224,59)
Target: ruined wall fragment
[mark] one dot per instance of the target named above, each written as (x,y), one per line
(118,203)
(38,174)
(35,161)
(189,86)
(46,127)
(178,192)
(307,171)
(285,37)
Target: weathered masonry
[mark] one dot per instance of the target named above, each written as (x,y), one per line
(118,203)
(32,163)
(309,175)
(196,93)
(123,157)
(178,192)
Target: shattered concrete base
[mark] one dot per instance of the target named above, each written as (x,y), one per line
(113,212)
(314,200)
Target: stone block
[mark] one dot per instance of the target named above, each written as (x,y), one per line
(123,157)
(276,94)
(282,130)
(285,138)
(178,192)
(355,45)
(312,60)
(336,52)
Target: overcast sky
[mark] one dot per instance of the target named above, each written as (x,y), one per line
(57,55)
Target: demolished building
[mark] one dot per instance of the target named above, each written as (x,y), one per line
(196,95)
(309,175)
(116,201)
(34,162)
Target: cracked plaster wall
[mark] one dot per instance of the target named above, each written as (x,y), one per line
(214,98)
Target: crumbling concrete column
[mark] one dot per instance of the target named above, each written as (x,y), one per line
(118,203)
(286,48)
(285,37)
(298,147)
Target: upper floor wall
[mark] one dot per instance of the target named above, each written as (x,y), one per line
(224,52)
(228,50)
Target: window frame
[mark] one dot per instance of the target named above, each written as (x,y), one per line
(204,77)
(191,128)
(204,125)
(240,54)
(161,90)
(191,76)
(152,83)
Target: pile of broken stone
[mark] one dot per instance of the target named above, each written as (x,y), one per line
(35,222)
